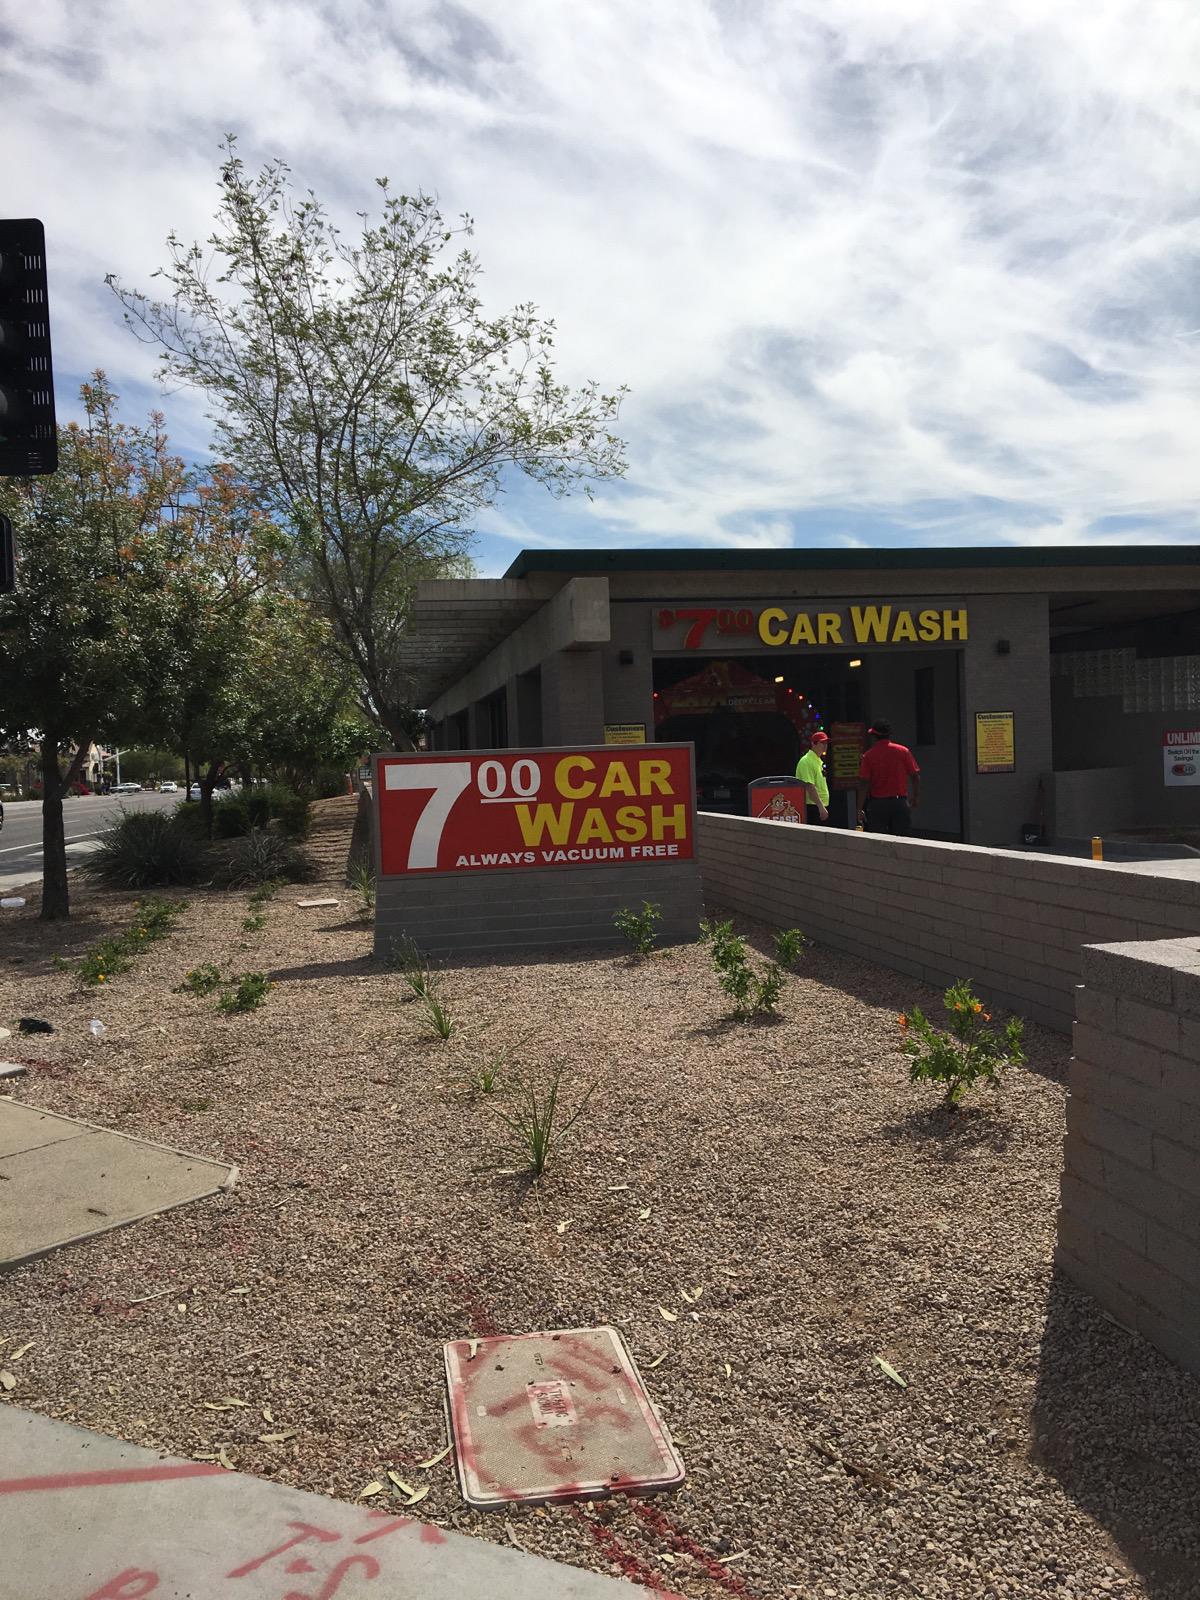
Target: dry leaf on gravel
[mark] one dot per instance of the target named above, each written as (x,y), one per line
(433,1460)
(374,1487)
(891,1372)
(17,1354)
(7,1381)
(277,1438)
(668,1316)
(416,1498)
(405,1488)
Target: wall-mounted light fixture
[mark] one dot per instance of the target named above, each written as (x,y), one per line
(779,679)
(856,663)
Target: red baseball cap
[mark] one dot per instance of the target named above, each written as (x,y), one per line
(820,735)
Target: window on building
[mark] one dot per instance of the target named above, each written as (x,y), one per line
(924,691)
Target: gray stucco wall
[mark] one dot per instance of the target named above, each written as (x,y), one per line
(1129,1224)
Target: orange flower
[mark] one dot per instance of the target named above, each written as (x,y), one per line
(987,1016)
(99,977)
(902,1020)
(977,1006)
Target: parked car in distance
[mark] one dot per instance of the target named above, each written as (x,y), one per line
(194,792)
(127,788)
(168,786)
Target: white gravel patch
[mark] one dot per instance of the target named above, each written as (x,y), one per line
(790,1172)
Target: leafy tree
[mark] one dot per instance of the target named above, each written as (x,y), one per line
(84,637)
(363,389)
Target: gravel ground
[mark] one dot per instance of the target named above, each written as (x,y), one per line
(791,1171)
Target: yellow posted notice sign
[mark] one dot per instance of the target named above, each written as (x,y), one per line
(995,742)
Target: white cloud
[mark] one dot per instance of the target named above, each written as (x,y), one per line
(856,259)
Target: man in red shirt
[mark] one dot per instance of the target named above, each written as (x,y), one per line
(884,775)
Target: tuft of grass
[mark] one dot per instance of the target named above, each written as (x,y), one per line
(639,926)
(245,993)
(412,966)
(202,1104)
(146,848)
(255,923)
(438,1013)
(202,980)
(537,1125)
(264,857)
(362,881)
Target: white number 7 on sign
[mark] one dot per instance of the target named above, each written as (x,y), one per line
(446,780)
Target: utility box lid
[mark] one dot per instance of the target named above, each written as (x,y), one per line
(538,1417)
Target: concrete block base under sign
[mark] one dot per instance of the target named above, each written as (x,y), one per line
(500,914)
(541,1417)
(82,1515)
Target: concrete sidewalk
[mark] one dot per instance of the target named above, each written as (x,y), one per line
(85,1517)
(65,1181)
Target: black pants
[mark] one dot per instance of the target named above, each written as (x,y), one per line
(888,816)
(813,817)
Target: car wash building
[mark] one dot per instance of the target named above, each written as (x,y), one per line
(1055,691)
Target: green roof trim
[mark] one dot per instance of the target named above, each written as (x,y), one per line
(923,559)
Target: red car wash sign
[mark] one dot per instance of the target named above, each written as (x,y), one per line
(522,810)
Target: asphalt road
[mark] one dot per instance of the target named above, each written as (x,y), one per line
(85,816)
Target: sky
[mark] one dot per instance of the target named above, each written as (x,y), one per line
(874,271)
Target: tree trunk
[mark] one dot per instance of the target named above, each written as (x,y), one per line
(56,900)
(208,782)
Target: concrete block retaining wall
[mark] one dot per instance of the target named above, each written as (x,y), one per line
(1015,924)
(1129,1224)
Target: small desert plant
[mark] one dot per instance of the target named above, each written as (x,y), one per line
(152,920)
(536,1123)
(290,812)
(202,980)
(968,1052)
(362,881)
(412,967)
(753,993)
(265,892)
(245,993)
(438,1013)
(146,848)
(254,923)
(484,1077)
(639,926)
(237,812)
(264,857)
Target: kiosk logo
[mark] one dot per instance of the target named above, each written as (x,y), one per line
(776,626)
(513,810)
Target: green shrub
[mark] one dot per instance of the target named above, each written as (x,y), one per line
(202,980)
(638,926)
(968,1052)
(535,1124)
(264,857)
(145,848)
(238,812)
(245,993)
(753,993)
(112,955)
(290,812)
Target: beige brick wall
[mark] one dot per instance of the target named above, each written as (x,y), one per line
(1129,1225)
(1014,923)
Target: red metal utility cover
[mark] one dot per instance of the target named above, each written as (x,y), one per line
(554,1416)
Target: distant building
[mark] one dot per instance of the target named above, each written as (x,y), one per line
(1045,687)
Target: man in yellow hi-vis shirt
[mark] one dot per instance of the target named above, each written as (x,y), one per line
(810,769)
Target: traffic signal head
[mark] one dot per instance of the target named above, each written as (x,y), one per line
(28,435)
